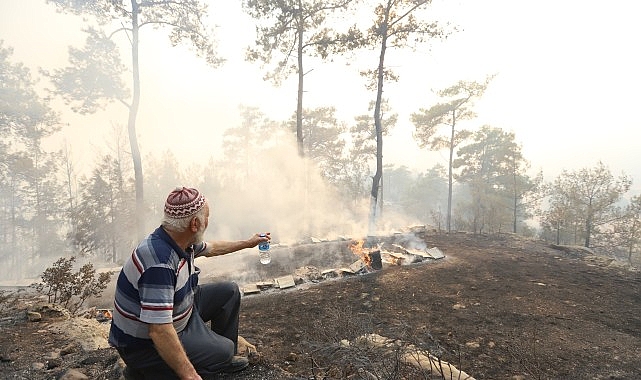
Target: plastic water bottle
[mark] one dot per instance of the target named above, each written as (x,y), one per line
(263,251)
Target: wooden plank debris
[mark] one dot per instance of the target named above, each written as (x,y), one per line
(428,253)
(265,284)
(357,266)
(396,255)
(250,289)
(393,258)
(435,253)
(285,281)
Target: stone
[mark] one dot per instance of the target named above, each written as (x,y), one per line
(73,374)
(38,366)
(53,311)
(52,355)
(472,345)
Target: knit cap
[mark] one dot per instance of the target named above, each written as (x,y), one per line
(183,202)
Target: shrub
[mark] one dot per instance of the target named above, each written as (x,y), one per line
(71,289)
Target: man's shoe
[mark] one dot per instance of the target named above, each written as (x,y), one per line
(236,364)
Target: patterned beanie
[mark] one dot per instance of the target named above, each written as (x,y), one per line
(183,202)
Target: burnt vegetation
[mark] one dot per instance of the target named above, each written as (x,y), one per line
(496,307)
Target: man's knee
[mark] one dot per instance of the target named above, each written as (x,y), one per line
(221,290)
(231,288)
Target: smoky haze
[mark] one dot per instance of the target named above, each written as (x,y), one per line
(279,192)
(555,90)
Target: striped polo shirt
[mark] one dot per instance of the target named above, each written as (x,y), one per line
(156,285)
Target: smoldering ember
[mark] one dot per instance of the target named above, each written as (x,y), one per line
(411,304)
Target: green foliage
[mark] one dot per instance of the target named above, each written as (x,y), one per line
(583,202)
(71,289)
(94,77)
(459,101)
(95,69)
(363,132)
(295,29)
(183,19)
(29,188)
(104,215)
(292,29)
(457,106)
(626,230)
(426,197)
(25,117)
(396,24)
(244,144)
(322,140)
(492,166)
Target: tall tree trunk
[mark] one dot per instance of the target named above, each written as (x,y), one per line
(299,103)
(516,195)
(631,242)
(376,180)
(381,195)
(17,261)
(515,213)
(588,226)
(69,174)
(299,113)
(131,124)
(449,177)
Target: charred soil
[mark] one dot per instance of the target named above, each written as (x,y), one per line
(496,307)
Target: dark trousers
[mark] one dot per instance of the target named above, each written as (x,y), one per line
(208,349)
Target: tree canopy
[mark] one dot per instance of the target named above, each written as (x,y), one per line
(586,199)
(93,76)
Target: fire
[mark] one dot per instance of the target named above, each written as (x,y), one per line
(356,247)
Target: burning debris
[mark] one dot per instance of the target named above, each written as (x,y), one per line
(369,257)
(372,253)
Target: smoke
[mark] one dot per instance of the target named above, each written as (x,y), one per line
(282,194)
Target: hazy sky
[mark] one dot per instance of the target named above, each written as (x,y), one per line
(567,81)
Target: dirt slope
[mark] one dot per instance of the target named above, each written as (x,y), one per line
(495,307)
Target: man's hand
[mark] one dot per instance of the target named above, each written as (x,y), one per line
(245,348)
(171,350)
(257,239)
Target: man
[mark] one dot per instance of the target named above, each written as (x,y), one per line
(160,312)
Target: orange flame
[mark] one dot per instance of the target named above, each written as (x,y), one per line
(356,247)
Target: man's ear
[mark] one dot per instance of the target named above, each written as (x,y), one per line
(194,224)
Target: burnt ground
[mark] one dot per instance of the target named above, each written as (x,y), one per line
(494,307)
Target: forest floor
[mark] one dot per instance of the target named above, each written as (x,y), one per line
(496,307)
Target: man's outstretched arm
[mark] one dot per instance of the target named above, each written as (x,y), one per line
(219,247)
